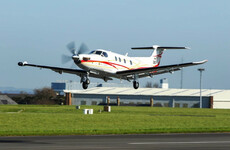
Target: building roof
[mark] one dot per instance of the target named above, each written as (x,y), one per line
(218,93)
(4,99)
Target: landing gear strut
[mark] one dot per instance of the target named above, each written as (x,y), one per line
(135,81)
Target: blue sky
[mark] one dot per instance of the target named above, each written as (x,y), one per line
(38,31)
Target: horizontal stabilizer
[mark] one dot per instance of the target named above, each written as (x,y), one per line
(160,47)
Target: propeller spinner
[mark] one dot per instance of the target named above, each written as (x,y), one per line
(75,54)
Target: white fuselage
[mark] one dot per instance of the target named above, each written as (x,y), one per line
(106,62)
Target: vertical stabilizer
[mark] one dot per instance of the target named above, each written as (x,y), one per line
(158,51)
(157,54)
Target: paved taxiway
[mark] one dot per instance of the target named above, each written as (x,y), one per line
(216,141)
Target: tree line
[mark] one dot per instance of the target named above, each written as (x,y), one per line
(43,96)
(152,85)
(47,96)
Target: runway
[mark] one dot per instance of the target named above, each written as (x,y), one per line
(220,141)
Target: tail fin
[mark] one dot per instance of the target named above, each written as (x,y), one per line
(158,51)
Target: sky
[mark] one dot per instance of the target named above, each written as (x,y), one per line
(38,32)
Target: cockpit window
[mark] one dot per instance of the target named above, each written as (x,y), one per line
(105,54)
(98,52)
(92,52)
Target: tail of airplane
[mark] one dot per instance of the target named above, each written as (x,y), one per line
(158,51)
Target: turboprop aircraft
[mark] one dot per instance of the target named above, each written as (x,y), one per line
(107,65)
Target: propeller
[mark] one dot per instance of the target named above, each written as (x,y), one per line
(71,47)
(66,59)
(83,49)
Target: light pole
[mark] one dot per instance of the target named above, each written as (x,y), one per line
(200,69)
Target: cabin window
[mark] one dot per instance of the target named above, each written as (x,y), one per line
(115,58)
(131,63)
(124,61)
(119,59)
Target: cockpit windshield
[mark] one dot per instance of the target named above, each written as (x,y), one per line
(92,52)
(105,54)
(101,53)
(98,52)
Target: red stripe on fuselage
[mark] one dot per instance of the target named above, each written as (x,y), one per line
(113,64)
(106,62)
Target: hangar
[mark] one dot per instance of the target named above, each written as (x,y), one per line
(189,98)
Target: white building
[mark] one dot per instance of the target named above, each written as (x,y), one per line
(60,86)
(162,97)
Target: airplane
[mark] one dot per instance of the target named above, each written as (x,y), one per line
(106,65)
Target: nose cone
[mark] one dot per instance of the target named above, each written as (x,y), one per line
(76,59)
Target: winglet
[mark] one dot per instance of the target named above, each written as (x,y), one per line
(201,62)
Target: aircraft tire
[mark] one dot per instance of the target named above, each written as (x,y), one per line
(84,85)
(135,84)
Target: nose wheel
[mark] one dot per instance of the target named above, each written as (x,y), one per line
(85,85)
(135,84)
(85,82)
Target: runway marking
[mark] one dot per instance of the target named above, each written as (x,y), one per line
(197,142)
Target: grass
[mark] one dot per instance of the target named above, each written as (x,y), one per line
(66,120)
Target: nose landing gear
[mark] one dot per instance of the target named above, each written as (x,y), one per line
(85,81)
(85,85)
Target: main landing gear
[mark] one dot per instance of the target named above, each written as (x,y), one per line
(135,81)
(135,84)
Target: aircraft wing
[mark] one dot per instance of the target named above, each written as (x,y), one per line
(77,72)
(143,72)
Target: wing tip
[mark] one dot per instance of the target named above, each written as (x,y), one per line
(201,62)
(22,63)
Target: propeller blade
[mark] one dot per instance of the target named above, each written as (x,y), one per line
(66,58)
(71,47)
(83,49)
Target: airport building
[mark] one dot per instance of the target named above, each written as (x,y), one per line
(162,97)
(60,86)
